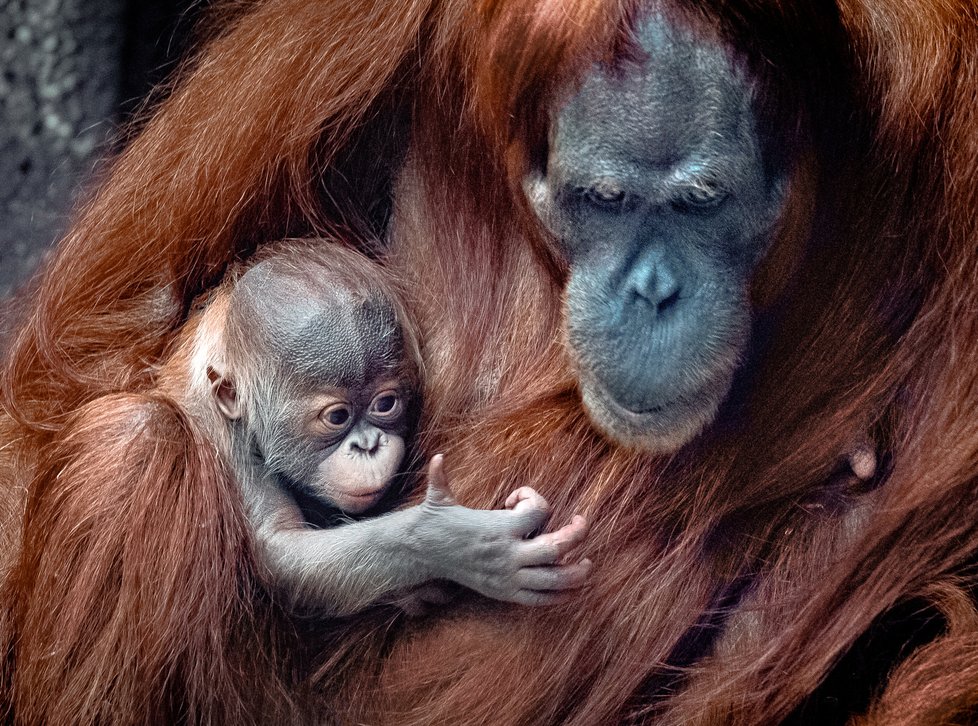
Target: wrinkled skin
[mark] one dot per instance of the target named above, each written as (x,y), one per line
(657,189)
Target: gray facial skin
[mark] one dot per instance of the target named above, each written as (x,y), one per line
(656,188)
(310,392)
(336,428)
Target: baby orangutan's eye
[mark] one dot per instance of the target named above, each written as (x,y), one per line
(386,404)
(335,417)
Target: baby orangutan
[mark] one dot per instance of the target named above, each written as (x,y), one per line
(304,372)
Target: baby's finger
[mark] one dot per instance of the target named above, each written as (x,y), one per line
(546,549)
(521,494)
(528,516)
(563,577)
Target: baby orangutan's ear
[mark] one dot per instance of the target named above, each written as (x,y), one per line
(225,395)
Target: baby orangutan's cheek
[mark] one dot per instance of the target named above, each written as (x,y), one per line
(354,479)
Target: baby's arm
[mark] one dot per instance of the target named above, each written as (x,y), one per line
(346,568)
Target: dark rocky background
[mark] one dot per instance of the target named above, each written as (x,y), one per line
(72,72)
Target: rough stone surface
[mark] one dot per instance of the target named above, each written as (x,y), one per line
(59,88)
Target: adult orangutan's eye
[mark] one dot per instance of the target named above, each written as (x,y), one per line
(605,194)
(701,196)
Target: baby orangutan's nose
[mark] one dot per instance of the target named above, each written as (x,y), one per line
(366,442)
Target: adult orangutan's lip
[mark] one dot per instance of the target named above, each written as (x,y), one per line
(645,414)
(653,409)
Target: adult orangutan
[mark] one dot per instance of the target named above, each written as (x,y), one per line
(772,202)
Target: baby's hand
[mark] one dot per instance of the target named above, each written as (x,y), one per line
(495,552)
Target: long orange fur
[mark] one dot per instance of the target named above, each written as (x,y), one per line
(730,578)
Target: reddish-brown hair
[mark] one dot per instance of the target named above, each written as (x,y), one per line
(731,578)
